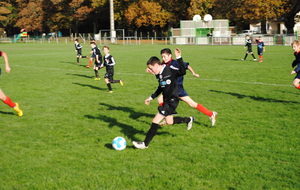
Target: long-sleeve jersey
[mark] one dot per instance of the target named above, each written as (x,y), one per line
(167,78)
(96,52)
(78,46)
(109,63)
(296,62)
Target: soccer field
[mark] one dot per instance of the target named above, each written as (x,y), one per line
(63,141)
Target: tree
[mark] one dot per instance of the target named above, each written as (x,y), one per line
(292,7)
(147,14)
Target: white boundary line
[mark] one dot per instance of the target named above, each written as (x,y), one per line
(137,74)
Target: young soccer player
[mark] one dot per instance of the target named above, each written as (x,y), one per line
(78,49)
(98,59)
(296,62)
(4,97)
(248,45)
(183,95)
(260,48)
(92,55)
(109,63)
(166,76)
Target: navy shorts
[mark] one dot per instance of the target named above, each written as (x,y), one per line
(169,107)
(298,76)
(182,92)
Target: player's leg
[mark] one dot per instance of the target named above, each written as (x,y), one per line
(107,81)
(96,68)
(90,62)
(150,134)
(296,83)
(253,56)
(10,103)
(245,56)
(201,108)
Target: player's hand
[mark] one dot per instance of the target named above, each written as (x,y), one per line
(7,69)
(149,71)
(293,72)
(98,61)
(196,75)
(148,100)
(177,52)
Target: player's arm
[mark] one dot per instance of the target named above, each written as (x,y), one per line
(181,66)
(5,56)
(192,71)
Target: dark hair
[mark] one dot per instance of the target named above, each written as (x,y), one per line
(106,47)
(153,60)
(93,43)
(76,40)
(166,50)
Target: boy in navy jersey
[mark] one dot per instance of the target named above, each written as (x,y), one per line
(166,76)
(248,45)
(296,62)
(78,49)
(260,48)
(109,63)
(3,97)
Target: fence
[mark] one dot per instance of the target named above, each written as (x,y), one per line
(132,40)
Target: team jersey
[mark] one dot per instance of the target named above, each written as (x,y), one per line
(78,46)
(96,51)
(109,63)
(167,81)
(260,45)
(296,62)
(248,45)
(180,79)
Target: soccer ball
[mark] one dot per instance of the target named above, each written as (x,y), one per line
(119,143)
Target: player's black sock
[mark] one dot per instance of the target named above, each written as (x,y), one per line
(96,73)
(109,87)
(177,120)
(245,56)
(83,56)
(151,133)
(77,59)
(253,56)
(115,81)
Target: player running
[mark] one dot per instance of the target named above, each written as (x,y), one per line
(3,97)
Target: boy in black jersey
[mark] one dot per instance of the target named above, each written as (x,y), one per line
(248,45)
(109,63)
(98,59)
(78,49)
(166,76)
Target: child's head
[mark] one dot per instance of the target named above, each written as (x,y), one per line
(166,54)
(154,64)
(296,45)
(93,44)
(105,50)
(76,41)
(247,36)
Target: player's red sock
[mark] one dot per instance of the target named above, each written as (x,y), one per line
(90,63)
(204,110)
(298,87)
(161,104)
(9,102)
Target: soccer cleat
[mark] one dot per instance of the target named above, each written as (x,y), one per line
(110,91)
(242,59)
(190,124)
(97,79)
(139,144)
(18,110)
(254,59)
(87,66)
(121,83)
(213,118)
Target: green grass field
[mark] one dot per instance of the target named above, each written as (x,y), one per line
(63,141)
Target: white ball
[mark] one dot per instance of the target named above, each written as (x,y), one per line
(119,143)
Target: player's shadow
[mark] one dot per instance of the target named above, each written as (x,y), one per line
(241,96)
(128,130)
(91,86)
(132,113)
(71,62)
(79,75)
(7,113)
(230,59)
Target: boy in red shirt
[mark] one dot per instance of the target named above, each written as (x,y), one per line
(296,62)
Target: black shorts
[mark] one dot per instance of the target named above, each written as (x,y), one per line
(169,107)
(109,76)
